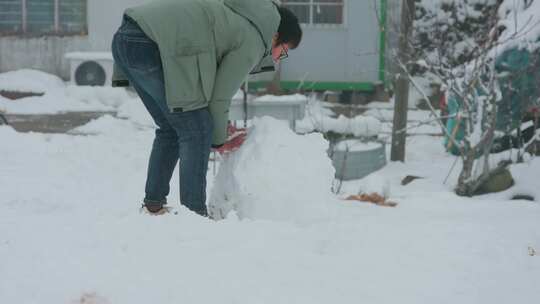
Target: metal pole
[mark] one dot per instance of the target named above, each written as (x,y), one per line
(399,133)
(246,101)
(24,13)
(382,41)
(56,16)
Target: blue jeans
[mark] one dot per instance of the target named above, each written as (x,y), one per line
(186,135)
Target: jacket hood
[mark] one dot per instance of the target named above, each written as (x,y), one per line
(263,14)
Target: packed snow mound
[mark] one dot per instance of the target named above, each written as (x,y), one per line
(28,80)
(275,175)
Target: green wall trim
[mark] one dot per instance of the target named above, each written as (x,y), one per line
(382,42)
(319,86)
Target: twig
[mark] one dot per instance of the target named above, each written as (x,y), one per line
(419,124)
(404,68)
(4,119)
(451,170)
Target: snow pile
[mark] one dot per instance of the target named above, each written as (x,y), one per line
(70,213)
(107,97)
(360,126)
(319,119)
(70,99)
(270,98)
(365,126)
(59,98)
(134,110)
(107,124)
(89,56)
(522,22)
(283,98)
(276,175)
(29,81)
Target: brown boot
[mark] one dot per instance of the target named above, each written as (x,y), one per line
(155,207)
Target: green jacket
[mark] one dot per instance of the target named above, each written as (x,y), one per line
(208,47)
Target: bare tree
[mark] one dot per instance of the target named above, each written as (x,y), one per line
(472,84)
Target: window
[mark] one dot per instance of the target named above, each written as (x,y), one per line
(43,17)
(317,11)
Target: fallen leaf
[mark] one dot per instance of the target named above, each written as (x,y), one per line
(373,198)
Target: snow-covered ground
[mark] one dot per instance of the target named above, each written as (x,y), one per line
(71,230)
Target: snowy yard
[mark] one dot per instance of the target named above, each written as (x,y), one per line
(71,230)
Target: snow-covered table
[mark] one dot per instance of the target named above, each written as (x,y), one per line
(290,108)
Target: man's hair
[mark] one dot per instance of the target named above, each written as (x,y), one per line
(289,30)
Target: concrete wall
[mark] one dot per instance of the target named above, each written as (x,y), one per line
(47,53)
(44,53)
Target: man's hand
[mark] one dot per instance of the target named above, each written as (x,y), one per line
(235,139)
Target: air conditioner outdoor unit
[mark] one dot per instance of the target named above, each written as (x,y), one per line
(91,68)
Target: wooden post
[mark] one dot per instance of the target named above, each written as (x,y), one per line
(399,133)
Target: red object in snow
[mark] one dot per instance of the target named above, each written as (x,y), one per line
(442,102)
(235,139)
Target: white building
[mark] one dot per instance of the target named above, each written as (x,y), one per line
(344,45)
